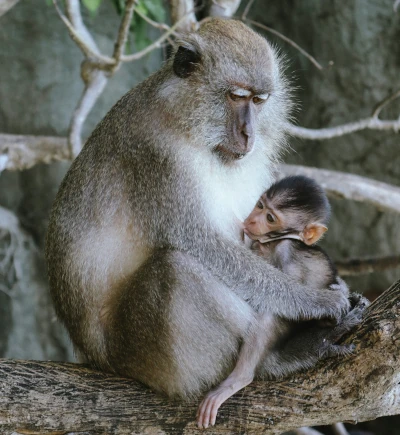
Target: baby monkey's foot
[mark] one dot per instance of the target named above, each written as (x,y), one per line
(352,318)
(208,409)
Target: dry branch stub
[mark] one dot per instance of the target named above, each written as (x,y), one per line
(48,398)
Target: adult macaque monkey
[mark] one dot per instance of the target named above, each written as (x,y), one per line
(146,266)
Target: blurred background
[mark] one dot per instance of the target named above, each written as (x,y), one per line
(357,43)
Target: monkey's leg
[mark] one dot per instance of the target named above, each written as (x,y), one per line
(261,338)
(175,327)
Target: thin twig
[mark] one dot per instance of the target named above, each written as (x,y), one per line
(371,123)
(288,40)
(73,10)
(384,103)
(119,46)
(80,42)
(361,266)
(155,44)
(247,9)
(153,23)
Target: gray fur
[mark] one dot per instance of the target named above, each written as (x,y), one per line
(145,263)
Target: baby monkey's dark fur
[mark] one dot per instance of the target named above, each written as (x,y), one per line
(299,211)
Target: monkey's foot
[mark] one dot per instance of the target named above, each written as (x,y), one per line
(353,318)
(208,408)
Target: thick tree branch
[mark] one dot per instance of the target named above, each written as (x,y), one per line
(360,266)
(18,152)
(348,186)
(47,398)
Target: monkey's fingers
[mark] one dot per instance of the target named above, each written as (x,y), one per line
(337,350)
(357,300)
(352,319)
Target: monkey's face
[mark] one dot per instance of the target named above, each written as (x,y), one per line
(232,82)
(264,219)
(243,107)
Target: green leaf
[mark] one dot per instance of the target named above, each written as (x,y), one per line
(142,8)
(92,5)
(156,10)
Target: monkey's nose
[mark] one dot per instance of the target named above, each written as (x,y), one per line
(247,136)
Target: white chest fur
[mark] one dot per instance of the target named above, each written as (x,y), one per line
(230,192)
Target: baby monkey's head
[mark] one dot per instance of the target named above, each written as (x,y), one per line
(295,206)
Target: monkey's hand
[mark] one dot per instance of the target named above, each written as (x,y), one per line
(332,303)
(328,348)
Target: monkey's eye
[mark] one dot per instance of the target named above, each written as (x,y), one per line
(270,218)
(236,97)
(260,99)
(260,205)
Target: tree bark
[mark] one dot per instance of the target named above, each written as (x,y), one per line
(60,398)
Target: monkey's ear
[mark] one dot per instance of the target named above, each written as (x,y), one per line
(312,233)
(186,60)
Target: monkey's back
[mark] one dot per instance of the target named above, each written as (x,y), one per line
(309,265)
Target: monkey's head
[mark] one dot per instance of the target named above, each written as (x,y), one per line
(229,79)
(293,206)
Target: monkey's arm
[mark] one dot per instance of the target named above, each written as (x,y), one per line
(183,223)
(262,285)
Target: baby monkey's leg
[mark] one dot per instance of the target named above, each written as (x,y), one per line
(261,338)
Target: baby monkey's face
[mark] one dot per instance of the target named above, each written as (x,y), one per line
(268,222)
(264,218)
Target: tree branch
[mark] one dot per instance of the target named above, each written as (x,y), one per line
(95,82)
(6,5)
(359,266)
(371,123)
(47,398)
(155,44)
(284,38)
(19,152)
(223,8)
(348,186)
(124,30)
(184,9)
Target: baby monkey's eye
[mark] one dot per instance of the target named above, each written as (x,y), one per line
(270,218)
(260,205)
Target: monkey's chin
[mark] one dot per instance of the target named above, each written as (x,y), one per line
(252,236)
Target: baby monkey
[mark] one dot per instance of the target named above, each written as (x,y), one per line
(289,218)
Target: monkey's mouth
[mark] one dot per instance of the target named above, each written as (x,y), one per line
(228,154)
(272,236)
(251,235)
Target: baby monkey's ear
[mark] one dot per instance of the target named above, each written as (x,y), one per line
(312,233)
